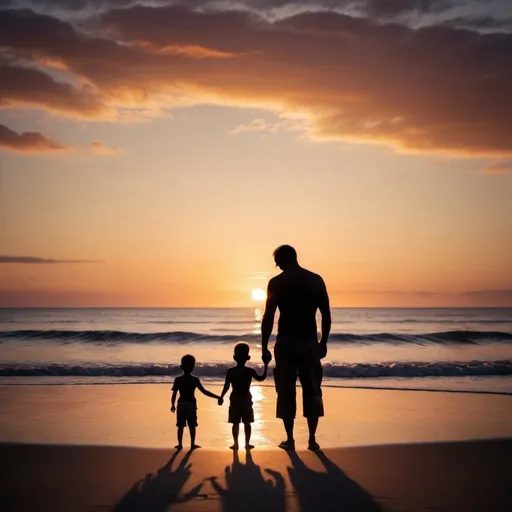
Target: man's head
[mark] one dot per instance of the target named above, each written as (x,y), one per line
(188,363)
(241,353)
(285,257)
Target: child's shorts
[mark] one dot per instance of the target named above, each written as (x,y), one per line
(241,411)
(186,414)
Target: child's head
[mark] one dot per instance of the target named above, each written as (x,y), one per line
(241,353)
(187,363)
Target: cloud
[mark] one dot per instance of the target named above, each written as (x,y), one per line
(33,260)
(435,89)
(28,142)
(101,149)
(397,293)
(377,8)
(260,125)
(504,295)
(22,86)
(479,22)
(394,8)
(487,296)
(503,166)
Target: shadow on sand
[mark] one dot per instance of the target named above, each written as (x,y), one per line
(330,490)
(248,489)
(157,492)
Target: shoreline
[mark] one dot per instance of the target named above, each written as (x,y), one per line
(216,381)
(139,415)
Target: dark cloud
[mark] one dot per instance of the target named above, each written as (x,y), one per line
(376,9)
(480,22)
(33,260)
(27,142)
(22,86)
(434,89)
(394,8)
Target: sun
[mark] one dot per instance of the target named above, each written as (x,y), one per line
(259,295)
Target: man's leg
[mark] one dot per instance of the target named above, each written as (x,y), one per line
(312,425)
(285,376)
(289,424)
(310,375)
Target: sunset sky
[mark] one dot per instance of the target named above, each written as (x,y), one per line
(155,153)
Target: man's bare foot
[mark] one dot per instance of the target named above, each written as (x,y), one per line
(289,444)
(249,446)
(179,447)
(234,447)
(195,447)
(313,445)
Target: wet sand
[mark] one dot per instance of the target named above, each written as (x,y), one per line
(138,415)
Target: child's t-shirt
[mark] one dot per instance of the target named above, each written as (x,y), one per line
(186,385)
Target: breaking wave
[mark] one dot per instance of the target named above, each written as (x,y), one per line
(101,337)
(331,370)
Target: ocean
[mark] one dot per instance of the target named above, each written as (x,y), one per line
(459,349)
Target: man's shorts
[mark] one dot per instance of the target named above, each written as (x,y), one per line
(298,359)
(186,414)
(240,411)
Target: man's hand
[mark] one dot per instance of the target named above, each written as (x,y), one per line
(322,349)
(173,408)
(266,356)
(220,401)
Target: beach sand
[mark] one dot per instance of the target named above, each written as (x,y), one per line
(469,476)
(383,450)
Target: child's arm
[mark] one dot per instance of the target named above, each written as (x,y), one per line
(205,391)
(174,394)
(261,377)
(225,389)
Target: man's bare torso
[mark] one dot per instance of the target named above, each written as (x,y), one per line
(298,294)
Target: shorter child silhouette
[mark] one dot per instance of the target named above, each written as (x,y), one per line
(186,385)
(240,407)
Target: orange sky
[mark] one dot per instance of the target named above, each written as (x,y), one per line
(156,156)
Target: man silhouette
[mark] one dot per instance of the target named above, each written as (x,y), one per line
(298,293)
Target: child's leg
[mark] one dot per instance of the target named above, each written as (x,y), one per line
(193,444)
(248,431)
(180,438)
(236,431)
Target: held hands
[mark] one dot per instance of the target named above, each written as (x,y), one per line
(266,356)
(220,401)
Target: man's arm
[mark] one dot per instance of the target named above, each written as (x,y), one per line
(261,377)
(267,323)
(205,391)
(325,310)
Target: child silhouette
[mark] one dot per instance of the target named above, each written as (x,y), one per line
(240,407)
(186,385)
